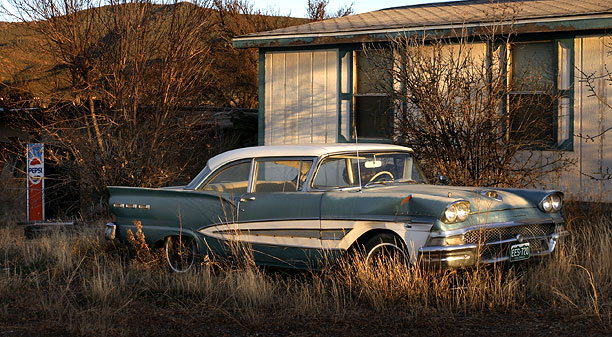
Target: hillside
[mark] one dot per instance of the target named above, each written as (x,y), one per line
(27,64)
(23,63)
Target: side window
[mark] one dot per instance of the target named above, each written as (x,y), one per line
(278,176)
(333,173)
(233,179)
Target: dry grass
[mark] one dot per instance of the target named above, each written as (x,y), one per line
(80,284)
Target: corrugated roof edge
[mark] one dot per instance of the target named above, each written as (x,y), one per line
(370,35)
(320,33)
(447,3)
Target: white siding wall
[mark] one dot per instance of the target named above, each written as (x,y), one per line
(592,157)
(300,103)
(592,117)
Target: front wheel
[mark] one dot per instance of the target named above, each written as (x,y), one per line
(385,250)
(180,253)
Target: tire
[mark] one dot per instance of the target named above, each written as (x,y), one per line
(385,248)
(180,253)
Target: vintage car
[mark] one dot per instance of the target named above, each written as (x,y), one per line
(304,206)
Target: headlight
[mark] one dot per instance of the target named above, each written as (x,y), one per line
(552,203)
(556,202)
(456,212)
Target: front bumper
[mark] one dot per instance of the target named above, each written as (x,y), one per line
(487,250)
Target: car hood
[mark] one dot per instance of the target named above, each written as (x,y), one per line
(479,201)
(422,200)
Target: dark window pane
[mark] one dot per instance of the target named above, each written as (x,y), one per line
(373,75)
(532,119)
(533,66)
(373,116)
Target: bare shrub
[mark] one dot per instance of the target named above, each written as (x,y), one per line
(147,257)
(317,10)
(127,68)
(454,104)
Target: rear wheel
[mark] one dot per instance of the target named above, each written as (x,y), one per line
(385,250)
(180,253)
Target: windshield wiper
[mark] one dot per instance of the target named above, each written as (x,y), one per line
(410,181)
(382,182)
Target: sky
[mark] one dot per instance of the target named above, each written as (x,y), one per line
(297,8)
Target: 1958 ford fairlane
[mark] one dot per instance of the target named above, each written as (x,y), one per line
(302,206)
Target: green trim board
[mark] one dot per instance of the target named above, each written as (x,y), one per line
(568,144)
(261,120)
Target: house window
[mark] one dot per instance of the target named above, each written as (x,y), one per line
(372,108)
(539,102)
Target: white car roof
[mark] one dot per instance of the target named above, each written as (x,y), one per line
(306,150)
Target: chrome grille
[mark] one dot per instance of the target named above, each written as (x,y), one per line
(504,233)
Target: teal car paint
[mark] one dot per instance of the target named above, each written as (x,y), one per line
(303,206)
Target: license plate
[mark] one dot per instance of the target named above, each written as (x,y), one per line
(520,251)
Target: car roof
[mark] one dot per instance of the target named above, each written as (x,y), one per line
(305,150)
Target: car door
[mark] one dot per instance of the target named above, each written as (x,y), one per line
(225,187)
(279,220)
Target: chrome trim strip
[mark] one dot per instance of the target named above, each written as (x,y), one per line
(561,234)
(502,209)
(452,258)
(431,249)
(325,234)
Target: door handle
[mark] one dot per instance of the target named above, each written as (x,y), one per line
(243,199)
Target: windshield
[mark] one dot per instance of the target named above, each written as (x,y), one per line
(341,171)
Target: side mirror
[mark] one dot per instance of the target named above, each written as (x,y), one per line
(443,180)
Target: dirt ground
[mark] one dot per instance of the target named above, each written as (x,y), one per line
(178,321)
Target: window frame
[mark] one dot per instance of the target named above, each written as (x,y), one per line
(356,94)
(212,175)
(568,93)
(315,168)
(255,167)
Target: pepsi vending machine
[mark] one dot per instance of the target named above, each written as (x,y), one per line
(36,182)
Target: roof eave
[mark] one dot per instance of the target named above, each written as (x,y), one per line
(539,25)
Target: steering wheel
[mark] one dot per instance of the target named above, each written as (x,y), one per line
(377,175)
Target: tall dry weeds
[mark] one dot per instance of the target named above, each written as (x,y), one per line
(93,287)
